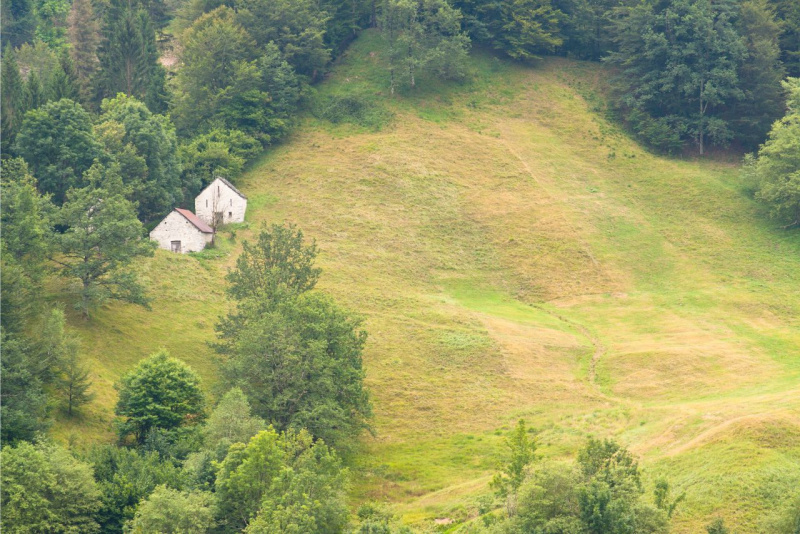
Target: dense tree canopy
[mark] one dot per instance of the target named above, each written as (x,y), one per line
(282,483)
(45,489)
(150,139)
(294,353)
(160,393)
(679,64)
(59,146)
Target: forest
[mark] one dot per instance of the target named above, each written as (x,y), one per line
(114,112)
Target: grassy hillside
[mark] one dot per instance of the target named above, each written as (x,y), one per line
(515,255)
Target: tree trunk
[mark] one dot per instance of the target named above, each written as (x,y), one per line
(701,126)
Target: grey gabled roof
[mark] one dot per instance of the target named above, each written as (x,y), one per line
(226,182)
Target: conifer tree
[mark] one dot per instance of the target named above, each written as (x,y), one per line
(760,74)
(84,37)
(35,95)
(12,99)
(63,81)
(129,58)
(74,381)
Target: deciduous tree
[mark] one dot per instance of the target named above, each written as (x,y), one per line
(45,489)
(59,146)
(777,168)
(160,392)
(102,239)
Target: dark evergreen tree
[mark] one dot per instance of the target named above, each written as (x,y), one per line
(760,75)
(12,100)
(788,14)
(84,38)
(128,57)
(19,23)
(35,95)
(63,82)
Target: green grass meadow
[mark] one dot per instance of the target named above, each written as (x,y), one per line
(514,254)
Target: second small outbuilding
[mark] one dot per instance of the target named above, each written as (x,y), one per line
(220,203)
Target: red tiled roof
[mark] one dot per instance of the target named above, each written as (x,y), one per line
(192,218)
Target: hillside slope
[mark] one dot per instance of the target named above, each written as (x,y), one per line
(515,255)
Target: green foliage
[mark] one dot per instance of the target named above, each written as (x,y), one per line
(282,483)
(277,264)
(424,36)
(788,12)
(586,27)
(662,497)
(522,29)
(18,23)
(24,405)
(35,95)
(159,393)
(74,382)
(12,99)
(345,19)
(125,477)
(169,511)
(128,57)
(102,239)
(777,168)
(717,526)
(296,355)
(149,138)
(63,81)
(351,108)
(601,495)
(57,142)
(296,27)
(45,489)
(243,87)
(678,62)
(231,422)
(217,153)
(522,454)
(84,39)
(24,243)
(760,74)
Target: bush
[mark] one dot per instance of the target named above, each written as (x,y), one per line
(353,109)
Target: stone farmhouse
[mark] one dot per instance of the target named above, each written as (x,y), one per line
(182,231)
(220,203)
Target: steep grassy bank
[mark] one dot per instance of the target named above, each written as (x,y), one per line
(516,255)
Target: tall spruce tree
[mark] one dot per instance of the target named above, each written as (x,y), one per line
(128,57)
(12,100)
(63,82)
(84,37)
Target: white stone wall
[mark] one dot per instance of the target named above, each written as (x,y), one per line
(219,197)
(175,227)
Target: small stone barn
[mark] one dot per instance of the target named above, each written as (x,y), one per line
(182,231)
(220,203)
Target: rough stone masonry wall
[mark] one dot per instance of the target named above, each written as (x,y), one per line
(175,227)
(229,203)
